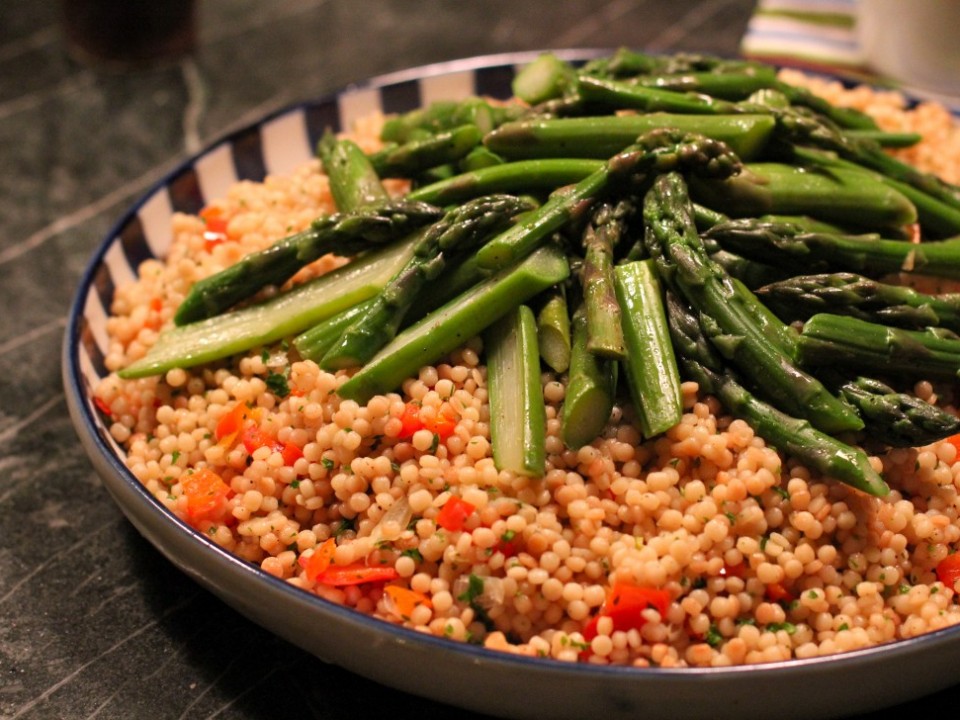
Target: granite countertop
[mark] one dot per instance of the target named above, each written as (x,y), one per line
(94,622)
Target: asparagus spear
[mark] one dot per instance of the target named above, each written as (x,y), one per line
(415,156)
(802,127)
(603,233)
(650,363)
(604,136)
(553,330)
(726,86)
(845,293)
(343,233)
(511,177)
(616,94)
(713,93)
(785,243)
(625,62)
(313,344)
(353,181)
(938,219)
(454,323)
(518,415)
(461,228)
(731,311)
(591,389)
(832,340)
(898,419)
(656,151)
(282,316)
(447,114)
(839,195)
(545,78)
(794,436)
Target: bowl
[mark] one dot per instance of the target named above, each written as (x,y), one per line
(459,674)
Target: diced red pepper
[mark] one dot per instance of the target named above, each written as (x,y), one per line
(443,424)
(625,605)
(356,574)
(410,421)
(231,423)
(954,440)
(291,453)
(776,592)
(454,514)
(254,438)
(320,560)
(215,230)
(206,493)
(102,406)
(509,546)
(736,571)
(948,570)
(404,600)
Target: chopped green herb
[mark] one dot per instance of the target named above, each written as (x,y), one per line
(714,638)
(435,444)
(328,464)
(277,384)
(295,484)
(413,553)
(776,627)
(473,591)
(345,525)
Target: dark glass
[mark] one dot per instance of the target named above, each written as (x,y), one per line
(128,33)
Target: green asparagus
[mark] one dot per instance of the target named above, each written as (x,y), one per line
(459,230)
(898,419)
(844,293)
(518,415)
(591,389)
(553,330)
(650,364)
(454,323)
(343,233)
(787,244)
(839,195)
(413,157)
(313,344)
(354,183)
(793,436)
(445,115)
(654,152)
(603,233)
(603,136)
(841,341)
(512,177)
(731,311)
(284,315)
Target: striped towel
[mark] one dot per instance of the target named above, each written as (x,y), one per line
(820,35)
(815,34)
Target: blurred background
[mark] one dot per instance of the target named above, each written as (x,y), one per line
(94,623)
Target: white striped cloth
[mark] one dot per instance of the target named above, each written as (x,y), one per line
(818,34)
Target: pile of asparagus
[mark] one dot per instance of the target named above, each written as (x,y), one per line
(639,216)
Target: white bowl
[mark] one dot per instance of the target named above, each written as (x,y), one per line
(443,670)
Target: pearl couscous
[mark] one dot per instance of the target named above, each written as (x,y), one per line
(395,508)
